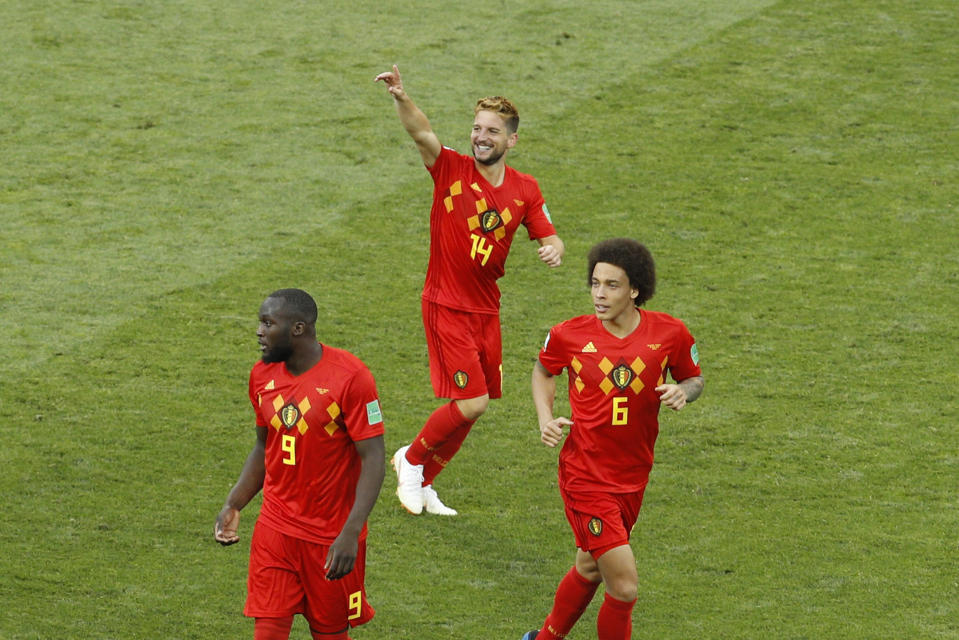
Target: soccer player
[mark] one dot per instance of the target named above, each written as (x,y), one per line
(616,360)
(478,204)
(319,458)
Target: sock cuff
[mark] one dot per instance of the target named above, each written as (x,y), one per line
(618,604)
(456,416)
(580,580)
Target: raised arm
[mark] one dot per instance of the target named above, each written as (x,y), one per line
(544,394)
(413,120)
(226,529)
(342,554)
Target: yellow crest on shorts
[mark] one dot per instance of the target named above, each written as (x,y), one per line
(595,526)
(460,379)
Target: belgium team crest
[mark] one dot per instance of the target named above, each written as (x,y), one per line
(290,415)
(490,220)
(595,526)
(460,379)
(622,376)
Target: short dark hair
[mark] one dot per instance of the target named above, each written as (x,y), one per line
(297,304)
(633,258)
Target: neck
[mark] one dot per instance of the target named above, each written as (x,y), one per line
(624,324)
(494,173)
(304,359)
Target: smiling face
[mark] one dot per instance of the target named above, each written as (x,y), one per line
(274,332)
(613,297)
(490,138)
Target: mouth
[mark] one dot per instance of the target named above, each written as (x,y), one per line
(483,148)
(600,308)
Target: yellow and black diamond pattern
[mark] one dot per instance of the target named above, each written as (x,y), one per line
(294,414)
(620,376)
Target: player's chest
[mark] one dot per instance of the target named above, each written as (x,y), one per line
(476,208)
(604,371)
(299,408)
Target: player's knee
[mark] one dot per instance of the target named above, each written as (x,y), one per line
(588,569)
(473,408)
(624,588)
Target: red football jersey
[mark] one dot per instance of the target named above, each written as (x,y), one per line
(312,422)
(611,395)
(472,224)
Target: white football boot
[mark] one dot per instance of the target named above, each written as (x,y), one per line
(409,482)
(433,503)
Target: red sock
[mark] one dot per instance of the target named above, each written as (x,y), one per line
(615,619)
(272,628)
(572,597)
(445,452)
(439,429)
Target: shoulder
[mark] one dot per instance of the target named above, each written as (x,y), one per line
(664,322)
(521,181)
(450,161)
(262,370)
(574,327)
(342,359)
(451,155)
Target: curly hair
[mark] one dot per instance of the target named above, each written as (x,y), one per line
(633,258)
(503,108)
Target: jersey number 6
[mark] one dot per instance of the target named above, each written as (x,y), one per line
(620,411)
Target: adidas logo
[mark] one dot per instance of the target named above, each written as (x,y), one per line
(589,348)
(654,347)
(322,391)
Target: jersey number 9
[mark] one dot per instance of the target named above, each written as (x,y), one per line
(288,444)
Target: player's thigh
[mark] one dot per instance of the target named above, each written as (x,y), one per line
(491,353)
(456,370)
(274,588)
(601,521)
(332,605)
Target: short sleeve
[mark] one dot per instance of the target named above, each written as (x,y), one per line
(361,406)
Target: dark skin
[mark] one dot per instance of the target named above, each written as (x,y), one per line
(293,341)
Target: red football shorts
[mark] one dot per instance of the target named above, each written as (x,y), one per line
(601,521)
(287,577)
(466,352)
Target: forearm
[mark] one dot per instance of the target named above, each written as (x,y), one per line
(250,481)
(544,393)
(412,118)
(692,387)
(372,455)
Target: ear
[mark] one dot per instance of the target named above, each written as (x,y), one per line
(298,328)
(634,293)
(512,140)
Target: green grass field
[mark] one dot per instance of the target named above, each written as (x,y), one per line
(794,167)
